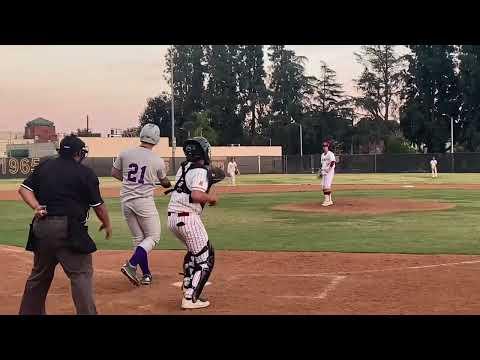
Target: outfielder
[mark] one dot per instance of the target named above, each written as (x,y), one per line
(433,165)
(327,173)
(140,169)
(232,170)
(189,196)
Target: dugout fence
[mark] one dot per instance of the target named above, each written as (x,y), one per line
(11,168)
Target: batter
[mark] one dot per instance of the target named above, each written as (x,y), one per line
(140,169)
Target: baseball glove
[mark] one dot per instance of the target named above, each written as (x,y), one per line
(216,175)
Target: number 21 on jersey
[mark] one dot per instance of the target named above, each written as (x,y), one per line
(133,171)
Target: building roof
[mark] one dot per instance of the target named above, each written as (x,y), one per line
(40,122)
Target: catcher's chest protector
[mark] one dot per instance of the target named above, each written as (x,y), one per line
(181,184)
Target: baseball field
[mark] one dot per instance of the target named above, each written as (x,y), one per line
(391,244)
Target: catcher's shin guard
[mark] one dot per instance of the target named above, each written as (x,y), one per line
(188,268)
(204,262)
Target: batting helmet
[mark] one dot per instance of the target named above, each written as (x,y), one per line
(197,148)
(150,134)
(70,146)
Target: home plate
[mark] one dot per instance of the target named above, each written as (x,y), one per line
(179,283)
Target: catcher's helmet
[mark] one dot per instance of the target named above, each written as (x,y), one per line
(197,148)
(150,134)
(71,145)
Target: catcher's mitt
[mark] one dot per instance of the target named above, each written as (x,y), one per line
(216,175)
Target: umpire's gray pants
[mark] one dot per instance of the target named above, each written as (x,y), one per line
(51,234)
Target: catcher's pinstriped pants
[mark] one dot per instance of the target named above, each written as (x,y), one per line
(189,230)
(51,234)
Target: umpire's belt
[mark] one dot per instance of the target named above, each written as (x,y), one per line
(179,214)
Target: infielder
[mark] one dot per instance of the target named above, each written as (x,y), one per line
(327,173)
(433,165)
(140,170)
(232,170)
(189,196)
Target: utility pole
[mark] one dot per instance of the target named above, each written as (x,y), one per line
(174,141)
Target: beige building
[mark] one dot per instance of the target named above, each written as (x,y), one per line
(11,137)
(111,147)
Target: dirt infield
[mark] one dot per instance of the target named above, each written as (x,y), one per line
(246,282)
(371,206)
(114,192)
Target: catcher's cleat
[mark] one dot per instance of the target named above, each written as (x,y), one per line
(131,273)
(199,304)
(146,279)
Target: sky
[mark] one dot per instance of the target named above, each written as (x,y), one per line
(109,83)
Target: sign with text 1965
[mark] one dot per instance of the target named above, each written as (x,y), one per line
(21,167)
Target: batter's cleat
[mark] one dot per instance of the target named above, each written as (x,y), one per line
(199,304)
(131,273)
(146,279)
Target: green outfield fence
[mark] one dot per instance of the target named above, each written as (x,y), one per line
(286,164)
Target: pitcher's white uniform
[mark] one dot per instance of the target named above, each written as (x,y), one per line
(141,169)
(189,228)
(433,165)
(231,170)
(328,169)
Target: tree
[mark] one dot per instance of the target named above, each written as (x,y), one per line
(328,91)
(188,80)
(290,90)
(380,81)
(469,82)
(253,93)
(431,96)
(158,111)
(222,92)
(202,126)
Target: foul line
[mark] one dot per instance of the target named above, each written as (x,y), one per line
(331,286)
(364,271)
(339,276)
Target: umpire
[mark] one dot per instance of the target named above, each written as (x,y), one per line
(61,191)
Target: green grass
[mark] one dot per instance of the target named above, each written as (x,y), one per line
(404,179)
(247,222)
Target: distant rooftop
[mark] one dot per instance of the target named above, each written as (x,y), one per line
(40,122)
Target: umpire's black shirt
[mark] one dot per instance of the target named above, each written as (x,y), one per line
(66,187)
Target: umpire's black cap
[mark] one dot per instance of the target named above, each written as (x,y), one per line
(72,145)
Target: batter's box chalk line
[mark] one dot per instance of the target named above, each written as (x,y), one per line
(179,283)
(335,280)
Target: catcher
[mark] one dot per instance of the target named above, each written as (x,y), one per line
(190,194)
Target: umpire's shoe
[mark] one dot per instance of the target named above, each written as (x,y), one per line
(131,273)
(189,304)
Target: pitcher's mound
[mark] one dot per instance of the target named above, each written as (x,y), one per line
(366,206)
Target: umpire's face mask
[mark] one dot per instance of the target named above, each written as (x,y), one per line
(82,154)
